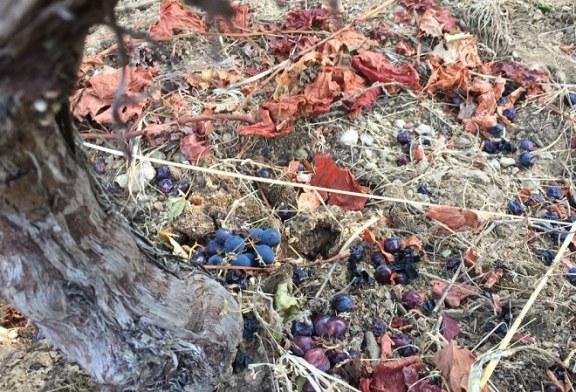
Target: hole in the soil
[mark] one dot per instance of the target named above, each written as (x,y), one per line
(322,240)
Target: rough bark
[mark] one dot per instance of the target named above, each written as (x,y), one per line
(67,260)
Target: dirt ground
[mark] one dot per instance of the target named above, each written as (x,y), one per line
(461,174)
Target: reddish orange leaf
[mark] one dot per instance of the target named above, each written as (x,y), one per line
(97,98)
(470,257)
(174,15)
(450,328)
(398,376)
(193,148)
(456,293)
(376,68)
(528,78)
(493,277)
(328,175)
(411,242)
(456,218)
(455,362)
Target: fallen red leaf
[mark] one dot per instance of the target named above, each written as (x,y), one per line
(364,100)
(304,19)
(455,363)
(450,328)
(435,23)
(446,76)
(404,49)
(328,175)
(493,277)
(276,117)
(402,17)
(97,97)
(174,15)
(456,218)
(418,5)
(376,68)
(456,293)
(411,242)
(194,148)
(470,257)
(528,78)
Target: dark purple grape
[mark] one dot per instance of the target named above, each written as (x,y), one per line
(222,235)
(242,361)
(554,193)
(534,199)
(423,189)
(456,101)
(527,159)
(162,173)
(236,277)
(264,173)
(99,166)
(284,213)
(546,255)
(505,146)
(515,207)
(497,131)
(301,345)
(383,274)
(490,147)
(392,244)
(234,244)
(526,145)
(551,215)
(552,388)
(336,327)
(302,328)
(298,275)
(379,328)
(250,328)
(411,299)
(428,306)
(356,253)
(166,185)
(452,264)
(301,167)
(402,160)
(510,113)
(215,260)
(559,372)
(378,258)
(183,186)
(335,357)
(214,247)
(404,137)
(572,98)
(502,101)
(242,260)
(265,253)
(342,303)
(318,359)
(400,339)
(320,323)
(401,278)
(571,276)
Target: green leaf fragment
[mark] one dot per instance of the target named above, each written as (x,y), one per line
(175,207)
(284,303)
(544,7)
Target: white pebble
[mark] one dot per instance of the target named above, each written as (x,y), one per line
(425,130)
(507,162)
(400,124)
(367,139)
(349,137)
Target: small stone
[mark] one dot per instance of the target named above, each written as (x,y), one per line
(301,154)
(400,124)
(507,162)
(349,137)
(425,130)
(494,165)
(546,155)
(367,139)
(463,143)
(538,15)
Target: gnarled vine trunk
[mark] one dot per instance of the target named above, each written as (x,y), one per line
(67,260)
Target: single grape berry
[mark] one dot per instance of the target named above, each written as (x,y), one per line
(400,339)
(378,258)
(379,328)
(336,357)
(505,146)
(236,277)
(241,362)
(265,253)
(342,303)
(423,189)
(490,147)
(515,207)
(318,359)
(404,137)
(402,160)
(336,327)
(264,173)
(428,306)
(572,98)
(455,101)
(554,192)
(526,145)
(234,244)
(571,276)
(298,275)
(383,274)
(452,264)
(162,173)
(411,299)
(302,328)
(99,166)
(270,236)
(242,261)
(166,185)
(222,235)
(502,101)
(215,260)
(250,328)
(301,345)
(497,131)
(392,244)
(527,159)
(213,247)
(510,113)
(356,253)
(401,278)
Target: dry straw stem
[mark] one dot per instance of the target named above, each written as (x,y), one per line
(514,328)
